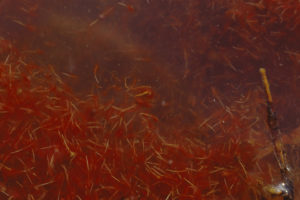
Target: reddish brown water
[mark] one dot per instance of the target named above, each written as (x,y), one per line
(193,65)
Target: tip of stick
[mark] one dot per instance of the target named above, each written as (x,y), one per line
(262,70)
(266,83)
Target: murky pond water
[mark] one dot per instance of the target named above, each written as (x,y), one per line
(146,99)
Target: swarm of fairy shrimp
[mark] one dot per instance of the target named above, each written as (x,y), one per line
(55,145)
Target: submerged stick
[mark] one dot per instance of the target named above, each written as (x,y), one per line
(286,187)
